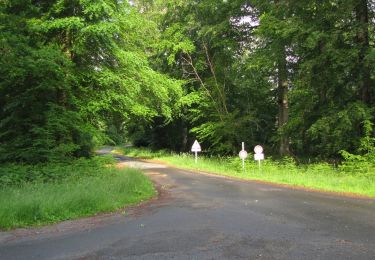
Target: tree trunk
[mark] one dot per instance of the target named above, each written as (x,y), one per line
(282,87)
(183,147)
(365,87)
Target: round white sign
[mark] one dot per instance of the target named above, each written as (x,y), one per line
(258,149)
(243,154)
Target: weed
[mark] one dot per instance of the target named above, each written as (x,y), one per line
(56,192)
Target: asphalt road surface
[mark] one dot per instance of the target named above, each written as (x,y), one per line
(199,216)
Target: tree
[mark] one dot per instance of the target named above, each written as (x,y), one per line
(79,66)
(328,106)
(275,30)
(312,59)
(38,119)
(362,23)
(204,43)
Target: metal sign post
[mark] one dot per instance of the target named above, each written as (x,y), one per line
(243,155)
(195,149)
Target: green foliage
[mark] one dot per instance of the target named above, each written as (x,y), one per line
(339,130)
(92,189)
(77,73)
(202,45)
(327,108)
(38,121)
(364,162)
(23,174)
(224,139)
(73,72)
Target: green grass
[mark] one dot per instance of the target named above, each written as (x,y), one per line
(88,188)
(320,176)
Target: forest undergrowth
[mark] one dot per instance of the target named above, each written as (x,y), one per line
(32,195)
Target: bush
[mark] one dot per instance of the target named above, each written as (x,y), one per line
(94,191)
(364,161)
(19,174)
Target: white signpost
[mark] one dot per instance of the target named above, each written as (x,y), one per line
(243,155)
(195,149)
(259,155)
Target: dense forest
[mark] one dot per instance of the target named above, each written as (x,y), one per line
(295,76)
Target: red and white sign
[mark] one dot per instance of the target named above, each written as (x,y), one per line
(196,147)
(259,155)
(258,149)
(243,154)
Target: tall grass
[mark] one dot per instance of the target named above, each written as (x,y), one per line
(87,189)
(321,176)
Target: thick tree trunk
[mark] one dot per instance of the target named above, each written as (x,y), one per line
(282,87)
(365,88)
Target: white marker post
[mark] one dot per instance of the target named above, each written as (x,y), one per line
(195,149)
(243,155)
(259,155)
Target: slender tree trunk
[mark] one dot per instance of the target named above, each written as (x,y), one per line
(365,88)
(184,139)
(282,87)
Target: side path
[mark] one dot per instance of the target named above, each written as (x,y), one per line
(205,217)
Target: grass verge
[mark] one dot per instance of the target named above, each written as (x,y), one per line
(319,176)
(82,188)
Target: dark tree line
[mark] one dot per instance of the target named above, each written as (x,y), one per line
(295,76)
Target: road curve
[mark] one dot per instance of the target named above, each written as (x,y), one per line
(198,216)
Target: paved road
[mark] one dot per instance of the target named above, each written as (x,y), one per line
(205,217)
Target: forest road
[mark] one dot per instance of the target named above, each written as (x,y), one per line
(199,216)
